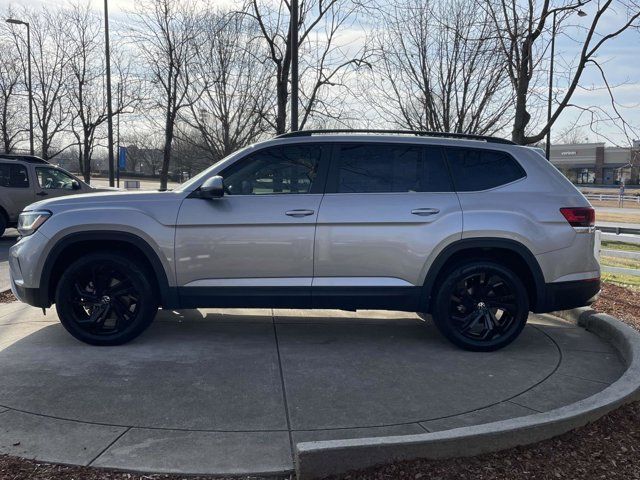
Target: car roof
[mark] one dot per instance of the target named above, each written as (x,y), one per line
(410,133)
(23,158)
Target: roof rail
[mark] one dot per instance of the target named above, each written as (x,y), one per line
(417,133)
(23,158)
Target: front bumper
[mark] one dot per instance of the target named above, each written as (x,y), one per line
(31,296)
(567,295)
(26,259)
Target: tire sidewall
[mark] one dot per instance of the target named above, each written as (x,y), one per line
(443,298)
(139,277)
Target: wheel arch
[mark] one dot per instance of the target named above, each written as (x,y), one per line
(71,245)
(510,253)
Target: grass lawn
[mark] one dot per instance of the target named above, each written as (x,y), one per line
(626,217)
(620,262)
(628,247)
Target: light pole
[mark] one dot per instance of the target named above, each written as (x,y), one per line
(109,106)
(549,100)
(293,34)
(20,22)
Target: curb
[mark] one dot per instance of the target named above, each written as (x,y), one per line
(323,458)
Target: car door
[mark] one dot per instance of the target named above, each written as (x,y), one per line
(16,192)
(54,182)
(254,246)
(387,207)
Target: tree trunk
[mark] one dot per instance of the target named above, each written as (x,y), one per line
(166,154)
(86,154)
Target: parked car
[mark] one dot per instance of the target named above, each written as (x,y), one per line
(25,179)
(475,231)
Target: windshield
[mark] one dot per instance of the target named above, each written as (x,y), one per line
(189,184)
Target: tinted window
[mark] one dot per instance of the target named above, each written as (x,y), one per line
(13,176)
(287,169)
(53,179)
(376,168)
(475,170)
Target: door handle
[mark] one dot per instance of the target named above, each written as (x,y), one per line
(299,213)
(42,194)
(425,212)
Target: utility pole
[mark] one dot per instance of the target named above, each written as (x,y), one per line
(26,24)
(550,98)
(547,147)
(293,38)
(109,106)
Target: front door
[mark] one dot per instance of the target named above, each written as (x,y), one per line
(386,210)
(53,182)
(254,246)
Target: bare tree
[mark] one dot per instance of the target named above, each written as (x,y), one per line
(13,120)
(572,134)
(229,109)
(436,68)
(523,29)
(86,89)
(144,148)
(166,34)
(322,60)
(49,59)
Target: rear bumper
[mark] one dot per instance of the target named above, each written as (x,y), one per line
(567,295)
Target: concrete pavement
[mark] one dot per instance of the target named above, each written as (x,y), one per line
(8,239)
(233,391)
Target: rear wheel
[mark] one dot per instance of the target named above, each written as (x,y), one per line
(105,299)
(481,306)
(3,224)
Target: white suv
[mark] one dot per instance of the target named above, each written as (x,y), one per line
(475,231)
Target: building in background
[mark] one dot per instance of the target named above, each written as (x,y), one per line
(593,163)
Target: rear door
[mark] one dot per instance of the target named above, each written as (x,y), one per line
(386,208)
(16,192)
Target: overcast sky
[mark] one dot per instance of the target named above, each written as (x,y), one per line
(619,58)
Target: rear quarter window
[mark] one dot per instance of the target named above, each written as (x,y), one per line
(13,176)
(478,169)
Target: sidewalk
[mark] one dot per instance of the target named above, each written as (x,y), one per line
(233,391)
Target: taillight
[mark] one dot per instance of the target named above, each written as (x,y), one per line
(579,216)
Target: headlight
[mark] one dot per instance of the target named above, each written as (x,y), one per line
(29,222)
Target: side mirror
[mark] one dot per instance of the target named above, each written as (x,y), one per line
(75,185)
(212,188)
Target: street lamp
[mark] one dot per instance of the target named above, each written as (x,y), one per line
(20,22)
(293,39)
(109,104)
(553,48)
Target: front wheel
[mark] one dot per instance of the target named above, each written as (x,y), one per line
(481,306)
(105,299)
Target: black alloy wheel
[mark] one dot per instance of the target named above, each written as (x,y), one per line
(105,299)
(481,306)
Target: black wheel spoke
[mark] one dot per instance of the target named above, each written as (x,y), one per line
(120,289)
(104,299)
(483,306)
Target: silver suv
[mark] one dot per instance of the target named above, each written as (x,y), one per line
(25,179)
(475,231)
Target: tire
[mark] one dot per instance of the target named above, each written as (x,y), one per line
(3,224)
(481,306)
(105,299)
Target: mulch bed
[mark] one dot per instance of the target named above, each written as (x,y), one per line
(620,302)
(608,448)
(7,297)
